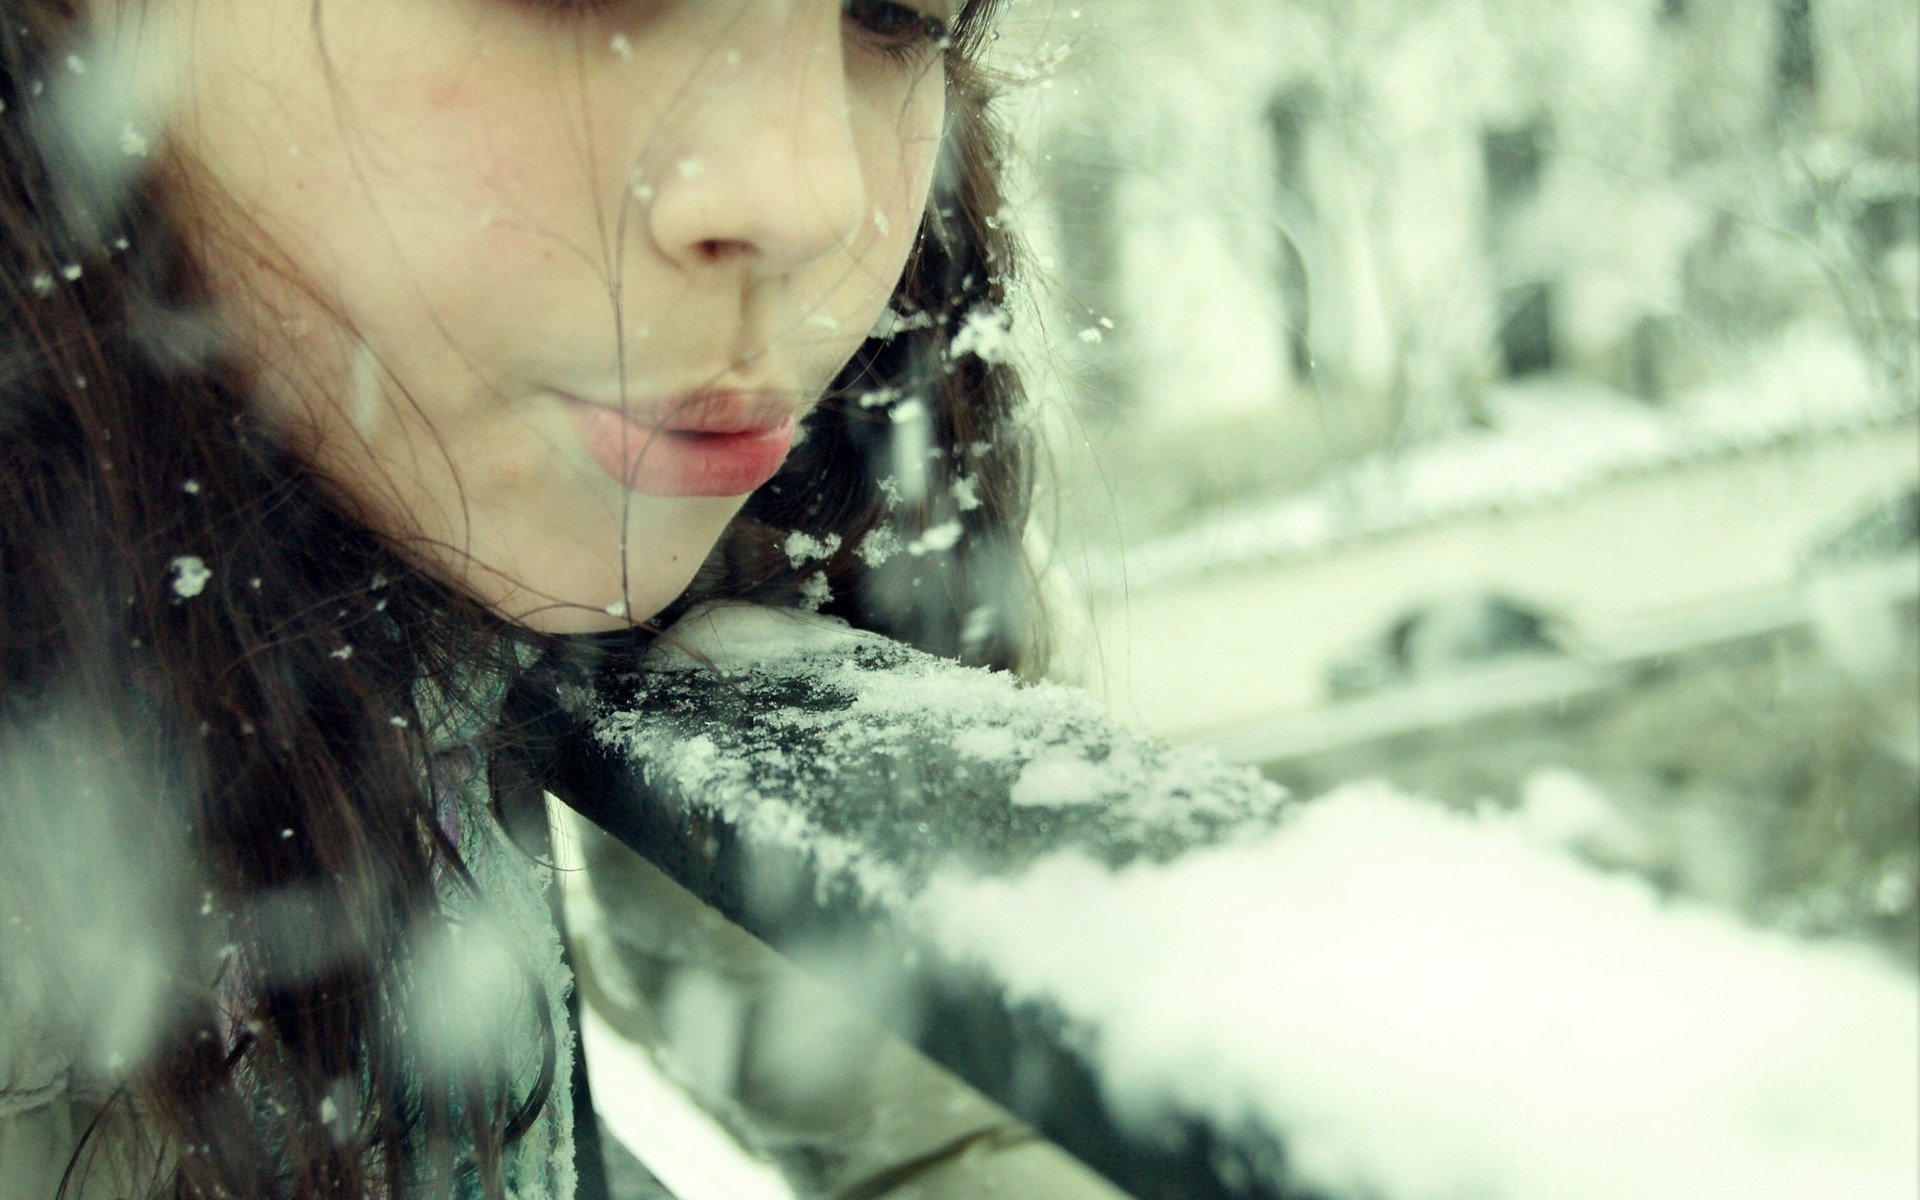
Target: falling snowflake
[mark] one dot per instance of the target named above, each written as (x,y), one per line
(966,493)
(880,544)
(893,323)
(190,575)
(944,536)
(987,333)
(802,547)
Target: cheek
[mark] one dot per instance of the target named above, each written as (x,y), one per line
(433,233)
(901,156)
(921,128)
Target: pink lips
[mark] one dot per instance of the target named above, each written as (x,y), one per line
(709,444)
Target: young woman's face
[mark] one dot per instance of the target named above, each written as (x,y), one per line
(486,249)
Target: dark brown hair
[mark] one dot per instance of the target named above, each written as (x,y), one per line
(284,766)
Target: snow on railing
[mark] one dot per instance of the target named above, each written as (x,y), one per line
(1203,988)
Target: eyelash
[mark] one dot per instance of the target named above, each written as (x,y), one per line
(906,33)
(899,31)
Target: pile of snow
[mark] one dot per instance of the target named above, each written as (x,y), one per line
(1428,1006)
(825,738)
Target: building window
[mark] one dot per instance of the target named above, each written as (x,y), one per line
(1287,126)
(1885,222)
(1794,58)
(1515,161)
(1288,118)
(1526,329)
(1514,158)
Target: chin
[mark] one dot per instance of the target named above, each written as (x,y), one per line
(565,575)
(595,608)
(572,602)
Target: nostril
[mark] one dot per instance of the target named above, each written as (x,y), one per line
(715,250)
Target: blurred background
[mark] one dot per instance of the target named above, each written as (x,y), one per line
(1513,399)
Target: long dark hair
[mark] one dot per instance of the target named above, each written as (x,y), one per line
(243,652)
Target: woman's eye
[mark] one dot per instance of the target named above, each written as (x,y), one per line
(896,29)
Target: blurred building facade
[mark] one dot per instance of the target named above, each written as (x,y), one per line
(1338,225)
(1378,312)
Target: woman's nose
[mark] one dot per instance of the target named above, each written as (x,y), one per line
(766,167)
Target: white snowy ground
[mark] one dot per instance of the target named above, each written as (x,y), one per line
(1548,440)
(1429,1006)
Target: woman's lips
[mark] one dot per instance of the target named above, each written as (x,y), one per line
(715,445)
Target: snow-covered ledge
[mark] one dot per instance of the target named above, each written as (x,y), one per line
(1356,995)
